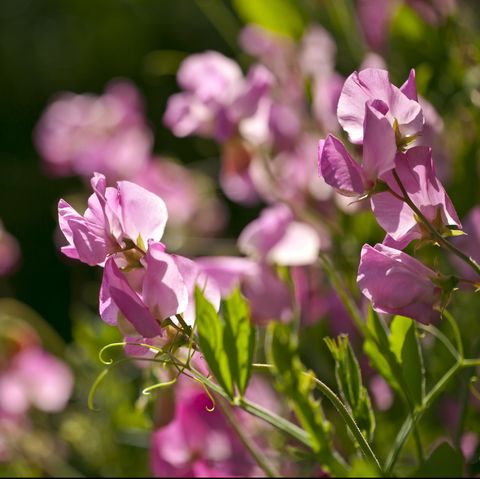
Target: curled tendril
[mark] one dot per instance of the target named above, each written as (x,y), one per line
(94,388)
(109,362)
(473,389)
(208,393)
(102,375)
(166,384)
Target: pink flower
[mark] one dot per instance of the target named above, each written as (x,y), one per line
(396,283)
(277,238)
(216,96)
(343,173)
(373,86)
(9,252)
(144,297)
(34,378)
(468,243)
(416,171)
(81,134)
(116,218)
(269,297)
(198,443)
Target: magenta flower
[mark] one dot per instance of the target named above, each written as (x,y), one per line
(144,297)
(116,218)
(81,134)
(396,283)
(277,238)
(343,173)
(416,171)
(268,296)
(216,96)
(468,243)
(35,378)
(9,252)
(198,443)
(397,105)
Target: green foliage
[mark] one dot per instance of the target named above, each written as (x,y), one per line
(405,345)
(281,16)
(239,339)
(397,356)
(227,345)
(349,381)
(292,380)
(443,462)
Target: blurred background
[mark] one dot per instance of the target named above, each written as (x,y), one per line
(53,46)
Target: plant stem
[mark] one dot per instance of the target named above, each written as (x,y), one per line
(252,448)
(429,398)
(349,304)
(258,411)
(435,234)
(343,411)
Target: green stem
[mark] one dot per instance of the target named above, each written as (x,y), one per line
(251,447)
(410,422)
(343,411)
(435,234)
(258,411)
(349,304)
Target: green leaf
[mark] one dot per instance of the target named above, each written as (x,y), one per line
(281,16)
(443,462)
(349,381)
(292,381)
(210,338)
(377,348)
(239,339)
(405,345)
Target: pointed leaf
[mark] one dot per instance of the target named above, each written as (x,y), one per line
(239,339)
(210,338)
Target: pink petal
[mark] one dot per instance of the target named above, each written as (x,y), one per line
(129,302)
(144,214)
(164,289)
(339,169)
(379,145)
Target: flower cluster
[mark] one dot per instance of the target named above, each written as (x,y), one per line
(406,197)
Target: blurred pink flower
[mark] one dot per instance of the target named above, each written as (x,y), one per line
(269,297)
(198,443)
(9,252)
(81,134)
(35,378)
(216,97)
(277,238)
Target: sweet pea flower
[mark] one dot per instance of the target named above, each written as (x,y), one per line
(81,134)
(144,297)
(277,238)
(343,173)
(468,243)
(268,296)
(116,218)
(216,97)
(198,443)
(396,283)
(9,252)
(399,106)
(416,171)
(34,378)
